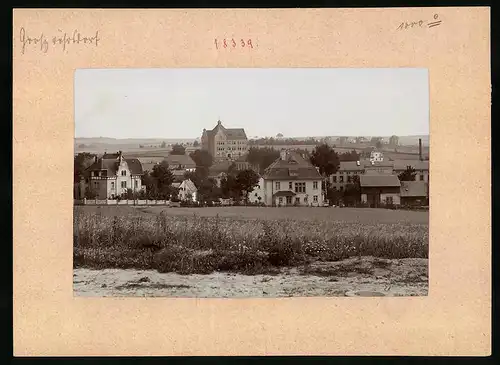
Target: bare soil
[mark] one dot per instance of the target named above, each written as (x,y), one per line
(365,276)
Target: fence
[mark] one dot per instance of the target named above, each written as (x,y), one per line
(124,202)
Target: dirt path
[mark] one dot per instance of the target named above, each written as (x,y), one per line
(362,277)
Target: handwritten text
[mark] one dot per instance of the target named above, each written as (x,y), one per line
(61,40)
(419,23)
(233,43)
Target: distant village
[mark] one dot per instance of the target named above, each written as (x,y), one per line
(225,167)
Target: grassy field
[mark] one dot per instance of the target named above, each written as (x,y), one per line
(241,239)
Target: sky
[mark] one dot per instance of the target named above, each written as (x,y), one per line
(297,102)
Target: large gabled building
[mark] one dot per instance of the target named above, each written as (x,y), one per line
(292,180)
(111,176)
(224,143)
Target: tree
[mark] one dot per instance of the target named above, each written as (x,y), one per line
(209,191)
(90,193)
(163,178)
(232,169)
(229,187)
(178,149)
(378,144)
(246,181)
(163,144)
(349,156)
(81,162)
(326,159)
(202,158)
(262,157)
(408,174)
(352,192)
(196,143)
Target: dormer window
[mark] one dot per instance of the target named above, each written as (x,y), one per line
(124,173)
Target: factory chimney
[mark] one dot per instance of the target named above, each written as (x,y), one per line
(420,149)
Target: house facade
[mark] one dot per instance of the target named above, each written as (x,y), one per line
(224,143)
(414,193)
(378,189)
(187,190)
(257,194)
(292,180)
(111,176)
(348,169)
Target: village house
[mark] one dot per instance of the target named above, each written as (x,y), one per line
(379,189)
(180,162)
(414,193)
(292,180)
(111,176)
(187,190)
(257,194)
(224,143)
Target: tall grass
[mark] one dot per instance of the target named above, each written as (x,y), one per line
(205,244)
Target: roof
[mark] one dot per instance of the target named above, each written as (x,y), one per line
(188,185)
(294,167)
(416,164)
(413,188)
(219,167)
(231,133)
(110,165)
(175,160)
(379,181)
(351,166)
(284,193)
(396,165)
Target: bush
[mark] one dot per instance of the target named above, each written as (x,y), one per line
(204,244)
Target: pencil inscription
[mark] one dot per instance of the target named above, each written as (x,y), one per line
(420,23)
(61,40)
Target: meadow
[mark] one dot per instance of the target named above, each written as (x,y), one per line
(248,240)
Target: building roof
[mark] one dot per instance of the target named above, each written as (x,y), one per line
(414,188)
(219,167)
(416,164)
(110,163)
(351,166)
(188,185)
(184,160)
(379,181)
(231,133)
(396,165)
(284,193)
(293,167)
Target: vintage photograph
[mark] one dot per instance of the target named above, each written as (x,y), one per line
(237,183)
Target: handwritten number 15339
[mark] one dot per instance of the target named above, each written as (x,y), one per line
(232,43)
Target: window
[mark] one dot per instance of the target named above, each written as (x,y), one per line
(297,200)
(315,185)
(300,187)
(124,184)
(124,173)
(290,186)
(421,177)
(278,185)
(349,179)
(388,200)
(305,199)
(281,200)
(96,184)
(136,184)
(112,185)
(341,179)
(315,198)
(289,200)
(334,179)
